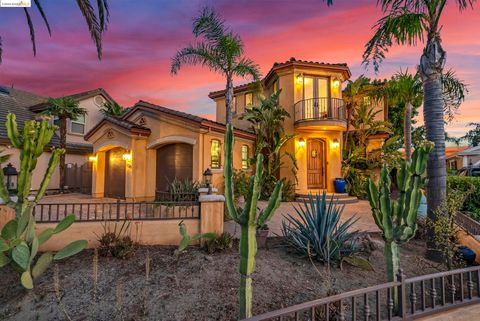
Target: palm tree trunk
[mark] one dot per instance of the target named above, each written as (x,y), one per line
(431,68)
(63,144)
(229,100)
(407,131)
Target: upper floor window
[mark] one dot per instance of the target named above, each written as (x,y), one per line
(245,156)
(276,86)
(77,125)
(248,100)
(215,154)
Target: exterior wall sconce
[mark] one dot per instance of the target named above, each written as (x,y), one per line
(300,79)
(11,175)
(301,143)
(336,82)
(127,157)
(335,143)
(92,159)
(207,178)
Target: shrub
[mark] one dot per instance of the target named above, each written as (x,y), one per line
(240,184)
(116,241)
(318,232)
(288,191)
(467,185)
(219,243)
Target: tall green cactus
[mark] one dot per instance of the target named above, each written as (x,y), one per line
(248,221)
(18,241)
(398,218)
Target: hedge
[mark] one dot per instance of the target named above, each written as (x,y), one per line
(464,184)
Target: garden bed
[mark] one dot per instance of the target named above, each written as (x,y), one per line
(197,286)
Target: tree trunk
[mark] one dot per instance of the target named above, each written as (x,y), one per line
(431,68)
(229,100)
(63,144)
(407,131)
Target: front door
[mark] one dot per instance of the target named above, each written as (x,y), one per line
(115,173)
(315,164)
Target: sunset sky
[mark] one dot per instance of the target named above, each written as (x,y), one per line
(143,36)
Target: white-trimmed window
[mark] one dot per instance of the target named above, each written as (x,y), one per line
(77,125)
(215,161)
(245,157)
(248,100)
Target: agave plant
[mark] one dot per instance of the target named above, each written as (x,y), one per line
(317,232)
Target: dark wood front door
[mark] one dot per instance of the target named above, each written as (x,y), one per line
(315,164)
(174,161)
(115,173)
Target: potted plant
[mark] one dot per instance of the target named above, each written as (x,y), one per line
(262,234)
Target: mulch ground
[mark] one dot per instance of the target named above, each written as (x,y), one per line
(196,286)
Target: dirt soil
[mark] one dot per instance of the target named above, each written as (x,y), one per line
(196,286)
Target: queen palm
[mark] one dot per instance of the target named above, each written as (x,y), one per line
(408,22)
(220,50)
(96,25)
(63,108)
(112,108)
(408,92)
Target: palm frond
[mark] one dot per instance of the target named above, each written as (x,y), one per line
(465,4)
(199,54)
(231,46)
(93,24)
(32,31)
(454,91)
(103,13)
(64,107)
(400,27)
(209,24)
(1,49)
(247,67)
(44,16)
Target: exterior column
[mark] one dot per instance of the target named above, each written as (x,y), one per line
(211,213)
(98,176)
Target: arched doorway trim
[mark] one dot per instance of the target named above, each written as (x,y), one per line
(171,140)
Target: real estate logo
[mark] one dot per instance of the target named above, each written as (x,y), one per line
(15,3)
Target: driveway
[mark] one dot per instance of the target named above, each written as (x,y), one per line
(361,210)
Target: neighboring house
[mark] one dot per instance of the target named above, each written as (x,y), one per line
(139,154)
(312,95)
(453,159)
(28,106)
(471,156)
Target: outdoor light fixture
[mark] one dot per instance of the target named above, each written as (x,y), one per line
(127,157)
(207,178)
(11,176)
(92,159)
(335,143)
(300,79)
(301,143)
(336,82)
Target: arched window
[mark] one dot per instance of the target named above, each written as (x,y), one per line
(245,157)
(215,154)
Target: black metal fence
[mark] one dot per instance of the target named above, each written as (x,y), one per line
(321,108)
(119,210)
(417,297)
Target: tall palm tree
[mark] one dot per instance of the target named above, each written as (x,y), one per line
(112,108)
(408,92)
(96,26)
(64,108)
(220,50)
(408,22)
(354,94)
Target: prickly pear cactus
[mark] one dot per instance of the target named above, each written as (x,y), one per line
(248,221)
(18,242)
(398,218)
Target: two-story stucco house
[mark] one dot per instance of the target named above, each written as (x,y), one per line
(27,106)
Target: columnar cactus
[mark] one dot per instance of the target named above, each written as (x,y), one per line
(398,218)
(18,242)
(248,221)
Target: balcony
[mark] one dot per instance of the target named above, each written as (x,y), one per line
(321,113)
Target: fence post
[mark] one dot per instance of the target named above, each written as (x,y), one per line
(211,213)
(118,209)
(402,302)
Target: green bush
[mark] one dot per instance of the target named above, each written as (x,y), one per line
(466,184)
(240,184)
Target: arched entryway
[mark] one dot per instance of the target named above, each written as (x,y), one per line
(115,173)
(316,164)
(173,161)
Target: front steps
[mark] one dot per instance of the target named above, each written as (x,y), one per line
(343,198)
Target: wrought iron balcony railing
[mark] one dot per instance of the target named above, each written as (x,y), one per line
(321,108)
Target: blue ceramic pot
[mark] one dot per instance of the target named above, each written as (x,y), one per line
(339,184)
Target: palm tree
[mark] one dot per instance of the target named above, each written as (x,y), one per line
(473,135)
(407,91)
(64,108)
(96,26)
(408,22)
(111,108)
(220,50)
(354,94)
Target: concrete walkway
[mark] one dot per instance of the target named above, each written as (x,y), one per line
(468,313)
(361,210)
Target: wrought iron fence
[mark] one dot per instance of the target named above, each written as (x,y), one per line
(119,210)
(417,297)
